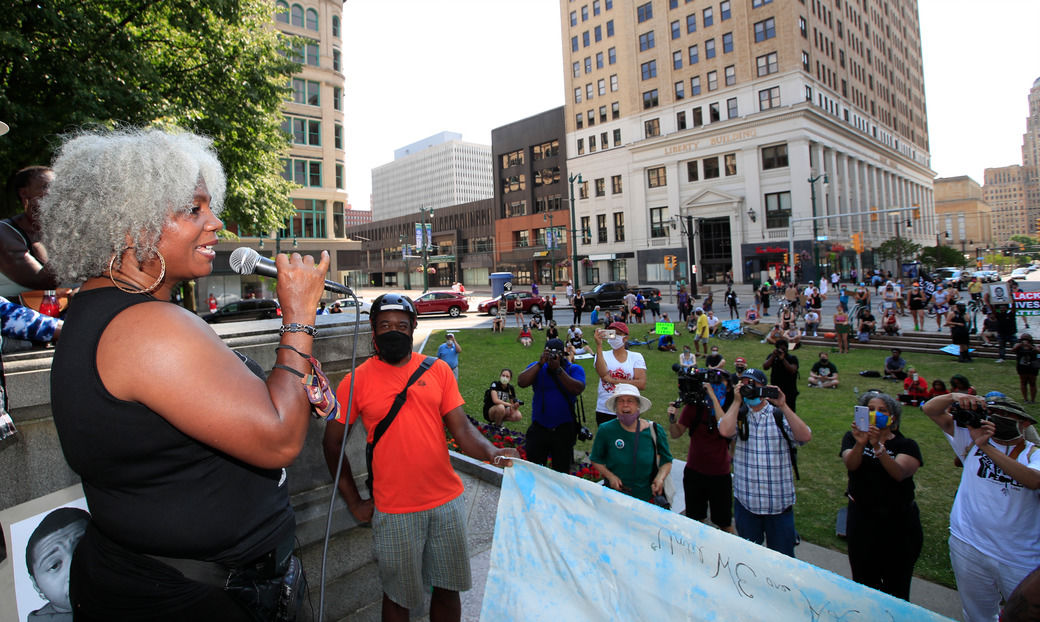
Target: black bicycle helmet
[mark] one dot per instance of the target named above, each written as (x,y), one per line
(392,302)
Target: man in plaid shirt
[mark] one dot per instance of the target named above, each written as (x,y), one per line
(763,478)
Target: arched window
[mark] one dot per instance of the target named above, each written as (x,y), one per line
(335,25)
(312,19)
(281,9)
(297,15)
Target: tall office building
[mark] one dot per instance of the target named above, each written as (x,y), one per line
(1031,157)
(1014,191)
(965,220)
(437,171)
(738,119)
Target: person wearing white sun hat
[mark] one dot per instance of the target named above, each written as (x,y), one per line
(630,452)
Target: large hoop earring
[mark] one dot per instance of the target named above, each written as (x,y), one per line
(121,286)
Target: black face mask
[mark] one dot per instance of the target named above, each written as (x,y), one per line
(1007,428)
(393,346)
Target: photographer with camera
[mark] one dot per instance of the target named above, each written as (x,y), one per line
(630,452)
(881,464)
(706,478)
(554,424)
(767,432)
(614,367)
(784,371)
(995,520)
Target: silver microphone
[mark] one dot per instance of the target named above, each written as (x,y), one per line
(245,260)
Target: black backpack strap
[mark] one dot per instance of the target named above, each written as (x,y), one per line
(778,416)
(385,422)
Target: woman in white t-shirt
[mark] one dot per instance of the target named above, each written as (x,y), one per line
(615,366)
(995,519)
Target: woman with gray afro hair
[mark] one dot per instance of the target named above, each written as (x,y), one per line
(116,190)
(180,443)
(884,525)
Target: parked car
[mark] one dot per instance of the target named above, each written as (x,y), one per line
(951,276)
(442,302)
(347,304)
(1019,273)
(246,309)
(605,295)
(527,301)
(986,276)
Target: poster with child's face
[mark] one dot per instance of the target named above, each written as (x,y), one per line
(41,555)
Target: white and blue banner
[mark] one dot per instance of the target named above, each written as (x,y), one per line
(570,549)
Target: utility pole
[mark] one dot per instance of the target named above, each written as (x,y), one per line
(815,241)
(692,252)
(427,240)
(574,232)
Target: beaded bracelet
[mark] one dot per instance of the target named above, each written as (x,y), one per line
(319,390)
(298,328)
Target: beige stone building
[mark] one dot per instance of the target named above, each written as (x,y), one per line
(1005,191)
(963,218)
(719,114)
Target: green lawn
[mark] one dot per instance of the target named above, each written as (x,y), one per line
(827,411)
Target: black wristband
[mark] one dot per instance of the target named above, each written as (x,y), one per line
(298,328)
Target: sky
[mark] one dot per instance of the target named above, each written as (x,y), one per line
(419,67)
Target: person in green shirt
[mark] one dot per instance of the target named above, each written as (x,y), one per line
(632,453)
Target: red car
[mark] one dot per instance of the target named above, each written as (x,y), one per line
(442,302)
(528,303)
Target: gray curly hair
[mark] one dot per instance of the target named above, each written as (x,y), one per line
(112,185)
(895,408)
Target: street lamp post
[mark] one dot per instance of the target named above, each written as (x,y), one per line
(812,195)
(425,245)
(574,233)
(404,257)
(550,235)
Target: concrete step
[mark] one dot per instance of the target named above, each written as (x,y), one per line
(921,343)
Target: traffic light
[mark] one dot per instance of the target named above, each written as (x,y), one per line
(873,213)
(1038,224)
(857,242)
(917,211)
(785,259)
(669,262)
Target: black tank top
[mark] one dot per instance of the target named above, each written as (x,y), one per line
(149,487)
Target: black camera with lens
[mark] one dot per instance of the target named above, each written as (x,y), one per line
(584,434)
(969,417)
(691,383)
(750,392)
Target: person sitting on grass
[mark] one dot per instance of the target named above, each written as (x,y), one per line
(551,332)
(990,330)
(498,323)
(776,333)
(938,388)
(714,323)
(865,325)
(751,316)
(715,360)
(687,360)
(536,321)
(576,344)
(793,336)
(525,336)
(500,403)
(915,386)
(594,317)
(895,366)
(824,374)
(960,384)
(666,343)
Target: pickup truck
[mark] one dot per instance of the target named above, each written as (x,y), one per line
(612,294)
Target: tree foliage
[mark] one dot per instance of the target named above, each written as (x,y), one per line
(939,256)
(211,66)
(1024,240)
(896,248)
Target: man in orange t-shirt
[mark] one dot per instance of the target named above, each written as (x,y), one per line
(417,515)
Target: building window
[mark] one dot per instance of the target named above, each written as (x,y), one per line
(583,190)
(574,44)
(602,114)
(711,167)
(588,91)
(306,92)
(337,98)
(335,25)
(585,40)
(337,135)
(601,86)
(691,171)
(576,69)
(615,184)
(516,208)
(695,55)
(724,10)
(579,120)
(601,228)
(778,210)
(308,221)
(601,187)
(619,226)
(577,95)
(585,13)
(767,64)
(521,239)
(513,158)
(691,23)
(546,150)
(803,27)
(730,162)
(306,173)
(695,85)
(709,48)
(708,17)
(339,176)
(676,29)
(653,128)
(731,75)
(656,177)
(597,33)
(617,137)
(731,108)
(646,41)
(581,146)
(680,90)
(297,15)
(680,119)
(312,20)
(644,12)
(603,140)
(599,60)
(658,225)
(574,18)
(611,56)
(610,28)
(650,99)
(337,57)
(586,234)
(765,29)
(713,112)
(727,43)
(648,69)
(588,64)
(713,80)
(281,9)
(698,117)
(303,131)
(595,7)
(757,3)
(805,61)
(677,59)
(774,156)
(769,98)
